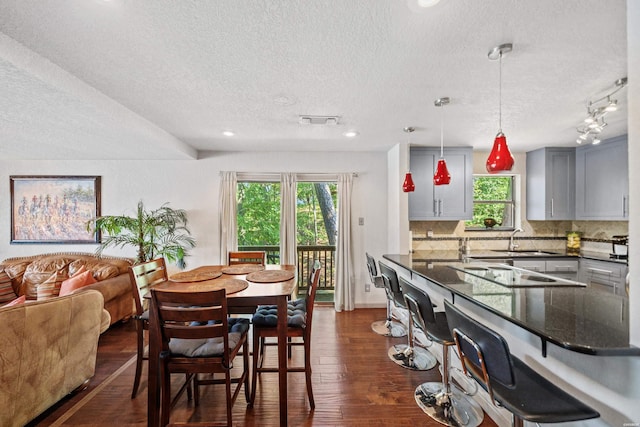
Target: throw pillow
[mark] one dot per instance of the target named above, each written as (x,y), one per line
(17,301)
(77,281)
(6,289)
(50,288)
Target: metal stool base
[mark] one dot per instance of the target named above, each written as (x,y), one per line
(418,360)
(453,409)
(389,329)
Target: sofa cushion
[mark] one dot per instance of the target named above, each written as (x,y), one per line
(50,288)
(16,270)
(40,270)
(101,270)
(6,288)
(77,281)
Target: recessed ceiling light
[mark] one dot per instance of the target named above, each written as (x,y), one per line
(427,3)
(228,133)
(351,133)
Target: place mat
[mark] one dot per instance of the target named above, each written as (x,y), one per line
(270,276)
(230,285)
(242,268)
(196,275)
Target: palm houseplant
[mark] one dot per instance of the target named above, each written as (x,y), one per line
(155,233)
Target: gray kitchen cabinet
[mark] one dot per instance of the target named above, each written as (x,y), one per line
(554,266)
(537,265)
(447,202)
(551,181)
(607,276)
(602,181)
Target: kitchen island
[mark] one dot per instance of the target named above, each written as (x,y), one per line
(589,354)
(577,318)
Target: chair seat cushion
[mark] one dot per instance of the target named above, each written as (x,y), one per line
(210,347)
(143,316)
(267,315)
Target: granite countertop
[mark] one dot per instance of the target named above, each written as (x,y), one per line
(580,319)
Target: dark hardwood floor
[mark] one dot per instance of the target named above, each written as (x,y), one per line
(354,384)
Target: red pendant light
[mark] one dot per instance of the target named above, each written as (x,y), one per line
(408,186)
(500,158)
(442,176)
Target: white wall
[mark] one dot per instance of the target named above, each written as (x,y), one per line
(193,185)
(397,205)
(633,94)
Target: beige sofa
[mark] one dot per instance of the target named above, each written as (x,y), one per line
(47,350)
(111,273)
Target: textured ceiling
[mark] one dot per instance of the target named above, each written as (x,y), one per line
(163,78)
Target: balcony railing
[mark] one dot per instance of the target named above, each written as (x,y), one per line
(307,255)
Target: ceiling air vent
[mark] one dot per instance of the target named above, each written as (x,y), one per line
(319,120)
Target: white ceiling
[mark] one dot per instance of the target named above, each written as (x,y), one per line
(161,79)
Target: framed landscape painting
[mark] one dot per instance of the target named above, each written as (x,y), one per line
(54,209)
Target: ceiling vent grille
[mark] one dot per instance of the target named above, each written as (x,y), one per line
(319,120)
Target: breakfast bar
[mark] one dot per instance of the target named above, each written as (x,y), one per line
(563,312)
(575,335)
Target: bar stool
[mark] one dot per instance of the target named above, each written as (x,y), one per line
(509,381)
(439,400)
(388,327)
(406,355)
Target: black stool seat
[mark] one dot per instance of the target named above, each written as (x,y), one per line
(509,381)
(388,327)
(438,331)
(536,399)
(441,401)
(406,355)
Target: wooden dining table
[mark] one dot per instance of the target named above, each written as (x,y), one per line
(239,301)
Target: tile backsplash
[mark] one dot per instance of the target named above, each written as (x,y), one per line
(537,235)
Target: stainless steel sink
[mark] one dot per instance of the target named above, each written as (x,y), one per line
(514,277)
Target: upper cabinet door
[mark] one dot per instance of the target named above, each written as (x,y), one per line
(602,180)
(447,202)
(551,184)
(421,201)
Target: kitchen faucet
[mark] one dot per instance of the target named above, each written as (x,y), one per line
(512,244)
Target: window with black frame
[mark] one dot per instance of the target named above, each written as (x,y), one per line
(494,203)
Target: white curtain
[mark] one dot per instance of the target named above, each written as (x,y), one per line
(228,211)
(288,248)
(344,297)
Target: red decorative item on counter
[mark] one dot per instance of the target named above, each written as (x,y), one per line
(500,158)
(408,185)
(441,176)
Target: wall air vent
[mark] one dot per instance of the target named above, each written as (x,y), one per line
(319,120)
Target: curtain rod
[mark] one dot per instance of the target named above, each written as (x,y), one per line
(354,174)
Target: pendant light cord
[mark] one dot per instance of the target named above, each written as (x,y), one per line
(442,133)
(500,98)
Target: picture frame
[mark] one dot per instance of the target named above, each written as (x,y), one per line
(54,209)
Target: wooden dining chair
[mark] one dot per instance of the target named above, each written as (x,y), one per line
(143,277)
(299,319)
(247,257)
(198,337)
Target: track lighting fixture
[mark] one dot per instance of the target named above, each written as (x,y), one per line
(597,109)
